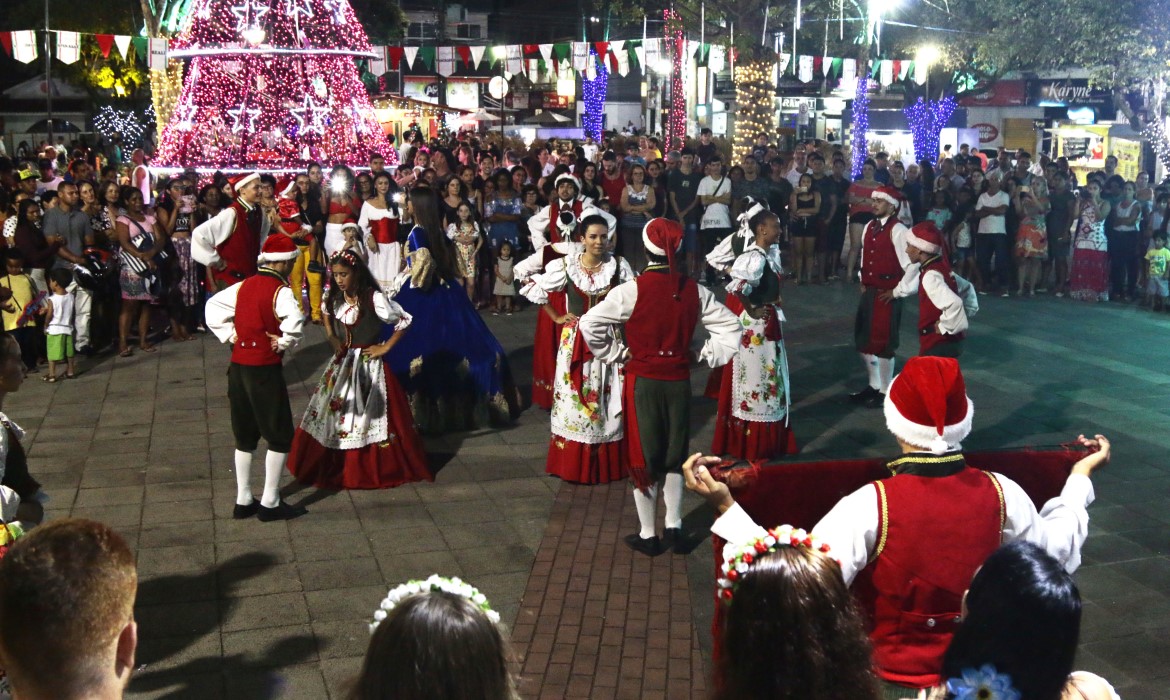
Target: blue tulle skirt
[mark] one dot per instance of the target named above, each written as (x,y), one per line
(452,368)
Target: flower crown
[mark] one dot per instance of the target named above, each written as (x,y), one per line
(454,586)
(737,560)
(984,682)
(347,255)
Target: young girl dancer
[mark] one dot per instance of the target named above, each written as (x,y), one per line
(358,431)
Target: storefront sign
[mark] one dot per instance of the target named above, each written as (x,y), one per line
(1072,91)
(1004,93)
(426,90)
(988,133)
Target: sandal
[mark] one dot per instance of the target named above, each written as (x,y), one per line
(126,352)
(48,378)
(69,375)
(149,348)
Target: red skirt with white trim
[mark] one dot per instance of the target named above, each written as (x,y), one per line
(744,439)
(583,463)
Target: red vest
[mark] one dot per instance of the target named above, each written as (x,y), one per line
(659,331)
(240,250)
(554,211)
(933,533)
(929,314)
(880,267)
(256,318)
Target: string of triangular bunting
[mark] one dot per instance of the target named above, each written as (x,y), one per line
(23,46)
(559,58)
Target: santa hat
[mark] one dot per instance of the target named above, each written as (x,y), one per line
(927,406)
(570,178)
(239,181)
(889,194)
(290,216)
(610,221)
(663,237)
(277,247)
(926,237)
(285,185)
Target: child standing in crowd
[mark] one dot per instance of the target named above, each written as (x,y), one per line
(1158,267)
(464,232)
(505,288)
(958,229)
(58,312)
(17,323)
(940,214)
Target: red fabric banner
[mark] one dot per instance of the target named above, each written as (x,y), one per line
(531,48)
(464,53)
(602,48)
(395,53)
(105,42)
(6,41)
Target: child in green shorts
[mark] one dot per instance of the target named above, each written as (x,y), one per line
(58,312)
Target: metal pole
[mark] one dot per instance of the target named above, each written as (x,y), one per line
(48,76)
(505,94)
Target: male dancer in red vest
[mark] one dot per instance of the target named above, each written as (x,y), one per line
(558,221)
(887,276)
(262,319)
(656,314)
(942,313)
(909,544)
(229,242)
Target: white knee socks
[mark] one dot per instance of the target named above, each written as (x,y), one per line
(885,367)
(273,467)
(243,478)
(871,371)
(646,504)
(672,493)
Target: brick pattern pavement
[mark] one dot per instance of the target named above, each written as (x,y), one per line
(599,620)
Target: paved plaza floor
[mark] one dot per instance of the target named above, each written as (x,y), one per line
(243,609)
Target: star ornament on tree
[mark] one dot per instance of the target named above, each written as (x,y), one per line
(310,117)
(292,8)
(241,113)
(249,14)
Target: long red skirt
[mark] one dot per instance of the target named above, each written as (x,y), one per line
(544,352)
(745,439)
(715,378)
(399,460)
(1089,276)
(581,463)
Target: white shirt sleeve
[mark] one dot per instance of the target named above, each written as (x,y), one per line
(953,319)
(721,325)
(292,319)
(908,285)
(9,503)
(220,313)
(599,327)
(553,279)
(210,234)
(625,272)
(970,298)
(364,218)
(538,227)
(391,312)
(746,273)
(723,255)
(452,231)
(1060,527)
(528,267)
(850,529)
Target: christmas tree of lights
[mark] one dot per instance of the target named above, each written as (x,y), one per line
(271,85)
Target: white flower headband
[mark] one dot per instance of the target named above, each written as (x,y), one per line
(454,586)
(737,560)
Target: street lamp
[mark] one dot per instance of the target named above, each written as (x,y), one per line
(927,56)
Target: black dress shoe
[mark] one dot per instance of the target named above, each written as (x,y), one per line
(672,540)
(651,547)
(876,401)
(282,511)
(864,395)
(244,512)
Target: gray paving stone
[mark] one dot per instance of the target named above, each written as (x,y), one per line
(255,612)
